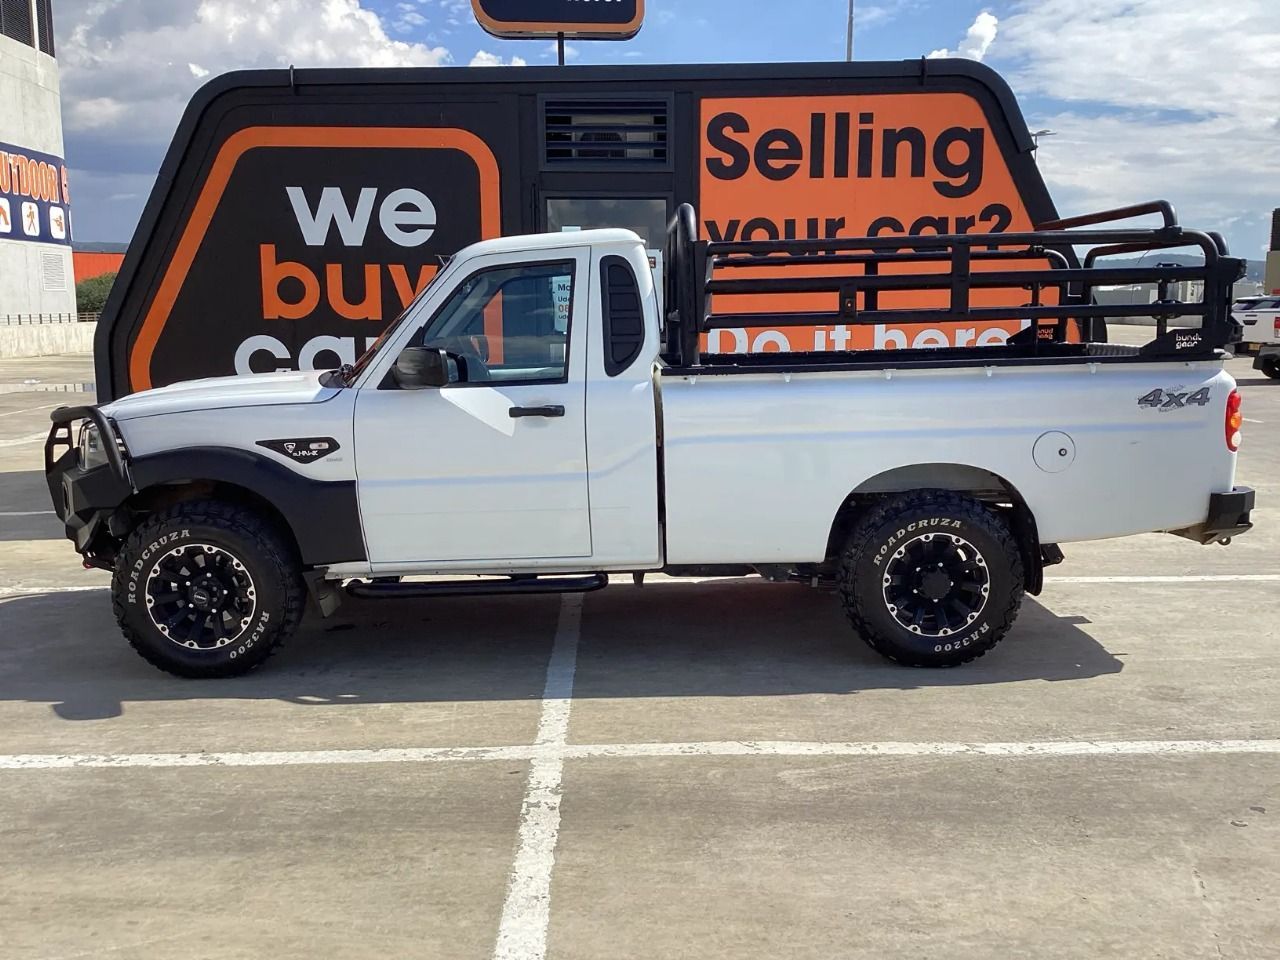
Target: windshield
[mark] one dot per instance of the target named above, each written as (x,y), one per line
(366,358)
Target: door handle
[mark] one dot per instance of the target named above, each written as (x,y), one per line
(518,413)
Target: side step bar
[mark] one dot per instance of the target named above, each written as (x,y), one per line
(476,588)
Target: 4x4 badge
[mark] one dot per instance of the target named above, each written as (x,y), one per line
(303,449)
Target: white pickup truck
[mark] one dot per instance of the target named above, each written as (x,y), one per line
(535,420)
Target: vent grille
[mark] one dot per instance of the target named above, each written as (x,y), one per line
(603,132)
(53,271)
(44,25)
(15,21)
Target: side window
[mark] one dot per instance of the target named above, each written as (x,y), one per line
(623,315)
(508,324)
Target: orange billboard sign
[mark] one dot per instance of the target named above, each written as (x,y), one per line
(820,167)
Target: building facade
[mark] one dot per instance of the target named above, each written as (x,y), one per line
(36,273)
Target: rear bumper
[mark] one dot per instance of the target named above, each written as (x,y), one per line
(1228,517)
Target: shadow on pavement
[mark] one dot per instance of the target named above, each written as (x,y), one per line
(725,639)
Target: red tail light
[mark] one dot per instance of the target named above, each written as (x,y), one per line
(1235,421)
(1277,327)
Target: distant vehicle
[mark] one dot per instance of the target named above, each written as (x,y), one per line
(1260,317)
(533,418)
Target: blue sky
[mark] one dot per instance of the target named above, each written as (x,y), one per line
(1167,98)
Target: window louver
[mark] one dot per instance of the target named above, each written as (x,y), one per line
(606,132)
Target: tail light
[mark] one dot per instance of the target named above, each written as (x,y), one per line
(1276,328)
(1235,420)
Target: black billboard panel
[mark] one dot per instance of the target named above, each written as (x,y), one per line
(304,241)
(594,19)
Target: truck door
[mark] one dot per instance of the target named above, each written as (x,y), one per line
(494,468)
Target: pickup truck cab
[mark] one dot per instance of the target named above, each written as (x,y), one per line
(536,419)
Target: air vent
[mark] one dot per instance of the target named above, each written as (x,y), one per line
(609,133)
(15,21)
(53,271)
(44,25)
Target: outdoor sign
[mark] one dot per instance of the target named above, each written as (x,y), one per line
(305,241)
(588,19)
(818,167)
(34,201)
(286,231)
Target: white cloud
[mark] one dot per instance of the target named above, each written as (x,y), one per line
(977,39)
(130,68)
(1169,98)
(484,58)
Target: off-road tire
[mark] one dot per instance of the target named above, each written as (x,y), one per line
(899,523)
(1271,368)
(231,535)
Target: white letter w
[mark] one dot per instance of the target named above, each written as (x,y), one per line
(332,209)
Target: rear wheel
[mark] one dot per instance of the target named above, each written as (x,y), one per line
(931,579)
(207,589)
(1271,368)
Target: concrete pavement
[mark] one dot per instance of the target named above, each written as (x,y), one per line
(726,839)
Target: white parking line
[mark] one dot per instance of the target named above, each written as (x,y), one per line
(43,406)
(1173,579)
(1205,578)
(20,441)
(9,592)
(526,913)
(541,841)
(27,513)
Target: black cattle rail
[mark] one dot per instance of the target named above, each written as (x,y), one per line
(1043,267)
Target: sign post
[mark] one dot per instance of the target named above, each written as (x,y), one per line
(559,19)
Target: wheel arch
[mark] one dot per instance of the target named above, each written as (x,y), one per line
(981,484)
(321,518)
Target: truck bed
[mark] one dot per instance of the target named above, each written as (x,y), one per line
(731,443)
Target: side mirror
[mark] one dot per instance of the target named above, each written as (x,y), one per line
(419,368)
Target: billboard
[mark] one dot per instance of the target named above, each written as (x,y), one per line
(298,213)
(589,19)
(820,167)
(35,204)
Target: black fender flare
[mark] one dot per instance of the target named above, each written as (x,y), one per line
(323,515)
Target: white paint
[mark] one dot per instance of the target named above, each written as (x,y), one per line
(526,913)
(1207,578)
(28,513)
(38,591)
(43,406)
(783,748)
(537,838)
(22,441)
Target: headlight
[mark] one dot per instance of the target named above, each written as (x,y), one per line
(92,453)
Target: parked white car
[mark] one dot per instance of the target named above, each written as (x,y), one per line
(1260,317)
(532,418)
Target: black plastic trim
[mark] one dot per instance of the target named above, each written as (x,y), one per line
(477,588)
(323,515)
(624,327)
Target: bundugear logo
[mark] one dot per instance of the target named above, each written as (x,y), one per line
(305,242)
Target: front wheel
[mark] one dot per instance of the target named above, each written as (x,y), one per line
(207,589)
(931,579)
(1270,367)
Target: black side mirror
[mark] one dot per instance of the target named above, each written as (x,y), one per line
(419,368)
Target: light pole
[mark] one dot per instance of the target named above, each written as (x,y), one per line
(849,36)
(1042,133)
